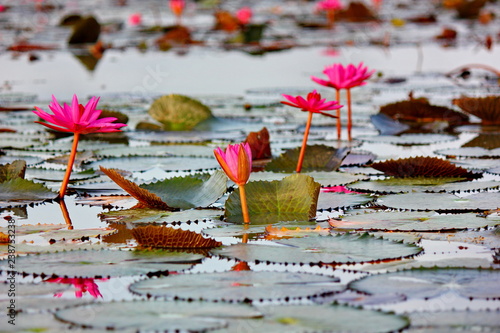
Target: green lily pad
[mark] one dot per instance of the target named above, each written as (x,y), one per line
(238,286)
(332,200)
(341,248)
(469,152)
(296,194)
(103,263)
(414,221)
(147,216)
(422,184)
(157,316)
(178,112)
(441,201)
(326,179)
(317,158)
(200,190)
(20,191)
(428,283)
(166,163)
(13,170)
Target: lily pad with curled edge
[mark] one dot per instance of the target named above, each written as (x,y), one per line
(199,190)
(425,283)
(103,263)
(21,192)
(317,158)
(166,163)
(487,141)
(239,286)
(338,249)
(157,316)
(158,216)
(158,150)
(326,179)
(296,194)
(331,318)
(469,152)
(421,184)
(455,321)
(407,139)
(333,200)
(166,237)
(414,221)
(485,108)
(16,169)
(441,202)
(178,112)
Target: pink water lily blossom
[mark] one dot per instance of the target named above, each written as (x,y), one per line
(244,15)
(177,6)
(329,5)
(82,285)
(76,118)
(313,103)
(340,77)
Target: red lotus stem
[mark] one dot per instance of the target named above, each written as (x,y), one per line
(349,114)
(71,161)
(244,205)
(304,143)
(339,121)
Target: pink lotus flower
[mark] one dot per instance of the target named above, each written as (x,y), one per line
(77,118)
(340,77)
(314,103)
(244,15)
(135,19)
(236,161)
(177,7)
(82,285)
(329,5)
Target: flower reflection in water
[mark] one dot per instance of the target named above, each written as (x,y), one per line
(82,285)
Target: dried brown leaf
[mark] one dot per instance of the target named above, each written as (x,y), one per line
(144,197)
(167,237)
(486,108)
(259,144)
(422,167)
(16,169)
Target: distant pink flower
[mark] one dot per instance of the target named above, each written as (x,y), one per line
(340,77)
(331,52)
(236,161)
(337,189)
(82,285)
(327,5)
(2,8)
(244,15)
(177,6)
(314,103)
(135,19)
(76,118)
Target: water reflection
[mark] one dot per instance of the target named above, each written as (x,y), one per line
(65,214)
(82,286)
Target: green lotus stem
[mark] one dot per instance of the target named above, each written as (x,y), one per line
(244,205)
(71,161)
(304,143)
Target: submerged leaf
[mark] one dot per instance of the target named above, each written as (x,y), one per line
(16,169)
(317,158)
(168,237)
(296,194)
(178,112)
(422,166)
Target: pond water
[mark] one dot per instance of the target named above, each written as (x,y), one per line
(432,276)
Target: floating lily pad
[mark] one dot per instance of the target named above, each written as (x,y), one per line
(178,112)
(158,150)
(414,221)
(33,289)
(64,145)
(16,169)
(332,318)
(469,152)
(430,283)
(165,163)
(494,171)
(485,108)
(317,158)
(441,201)
(476,163)
(20,191)
(184,136)
(421,184)
(358,158)
(103,263)
(345,248)
(146,216)
(238,286)
(42,322)
(78,234)
(487,141)
(332,200)
(326,179)
(200,190)
(296,195)
(408,139)
(487,238)
(456,321)
(166,237)
(158,316)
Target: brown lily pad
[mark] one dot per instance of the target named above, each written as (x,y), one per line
(259,144)
(421,166)
(486,108)
(168,237)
